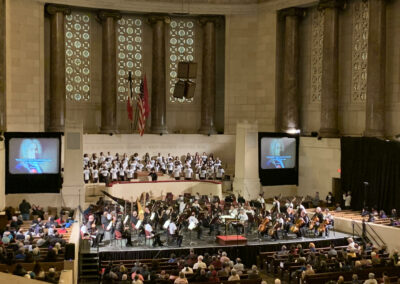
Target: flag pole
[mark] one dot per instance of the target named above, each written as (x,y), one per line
(131,92)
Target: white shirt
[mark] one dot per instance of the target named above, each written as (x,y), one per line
(188,173)
(177,171)
(85,161)
(172,228)
(170,166)
(233,212)
(148,228)
(129,172)
(86,174)
(347,200)
(203,173)
(95,173)
(121,172)
(193,219)
(114,172)
(220,172)
(182,206)
(104,173)
(243,217)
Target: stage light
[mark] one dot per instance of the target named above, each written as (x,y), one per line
(293,131)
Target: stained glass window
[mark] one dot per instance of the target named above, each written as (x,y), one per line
(181,48)
(77,56)
(130,56)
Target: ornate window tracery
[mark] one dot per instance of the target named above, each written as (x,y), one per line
(181,48)
(129,55)
(77,56)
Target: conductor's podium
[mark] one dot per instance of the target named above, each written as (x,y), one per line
(231,240)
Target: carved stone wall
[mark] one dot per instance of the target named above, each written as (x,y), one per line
(317,41)
(360,51)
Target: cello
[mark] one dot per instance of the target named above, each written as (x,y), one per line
(263,226)
(296,227)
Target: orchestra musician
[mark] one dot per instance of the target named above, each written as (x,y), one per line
(317,219)
(242,224)
(277,226)
(173,231)
(215,222)
(155,236)
(329,222)
(304,226)
(194,224)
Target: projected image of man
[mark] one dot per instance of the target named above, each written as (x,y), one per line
(274,159)
(29,157)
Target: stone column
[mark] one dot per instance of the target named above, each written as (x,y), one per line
(290,96)
(208,86)
(375,104)
(57,67)
(2,66)
(158,89)
(247,181)
(108,72)
(330,68)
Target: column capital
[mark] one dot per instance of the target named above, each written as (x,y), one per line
(293,12)
(104,14)
(154,18)
(331,4)
(53,9)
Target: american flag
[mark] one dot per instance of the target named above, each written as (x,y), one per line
(143,105)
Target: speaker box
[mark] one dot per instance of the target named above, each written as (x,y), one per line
(187,70)
(189,90)
(179,91)
(69,252)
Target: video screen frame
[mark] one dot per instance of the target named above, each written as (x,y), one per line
(28,182)
(31,155)
(278,176)
(277,154)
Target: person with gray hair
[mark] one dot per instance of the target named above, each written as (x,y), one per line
(239,267)
(371,279)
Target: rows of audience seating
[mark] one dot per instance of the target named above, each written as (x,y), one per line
(191,268)
(354,263)
(31,247)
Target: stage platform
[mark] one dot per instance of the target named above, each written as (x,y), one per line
(247,252)
(351,223)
